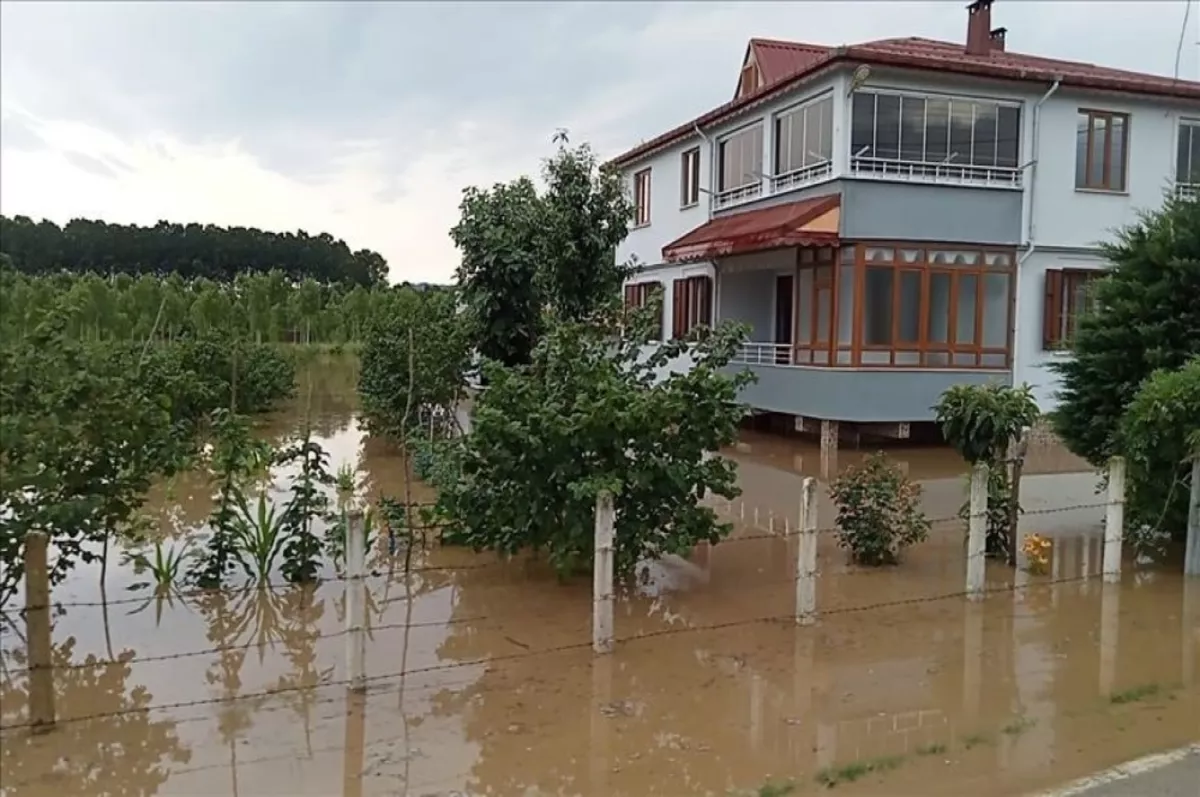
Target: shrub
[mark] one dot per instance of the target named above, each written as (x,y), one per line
(878,514)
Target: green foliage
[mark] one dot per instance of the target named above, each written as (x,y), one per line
(166,565)
(81,440)
(878,512)
(188,250)
(426,330)
(981,421)
(234,455)
(1158,436)
(525,252)
(258,534)
(308,502)
(1147,319)
(588,414)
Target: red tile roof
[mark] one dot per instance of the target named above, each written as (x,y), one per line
(785,64)
(755,230)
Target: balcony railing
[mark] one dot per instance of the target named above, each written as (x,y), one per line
(799,177)
(736,196)
(764,354)
(943,173)
(1187,190)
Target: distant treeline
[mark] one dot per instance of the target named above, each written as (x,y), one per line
(189,250)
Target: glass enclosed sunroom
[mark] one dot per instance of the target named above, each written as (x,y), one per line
(848,330)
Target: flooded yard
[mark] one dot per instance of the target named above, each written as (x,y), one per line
(481,679)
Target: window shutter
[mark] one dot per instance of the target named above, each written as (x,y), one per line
(630,296)
(1052,308)
(656,296)
(706,295)
(679,308)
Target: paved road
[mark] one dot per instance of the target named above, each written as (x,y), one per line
(1179,778)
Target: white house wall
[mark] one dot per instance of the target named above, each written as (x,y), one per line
(667,220)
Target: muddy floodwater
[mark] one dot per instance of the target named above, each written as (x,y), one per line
(482,682)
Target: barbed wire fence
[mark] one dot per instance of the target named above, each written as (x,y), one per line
(761,525)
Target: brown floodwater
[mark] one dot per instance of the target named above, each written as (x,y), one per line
(482,682)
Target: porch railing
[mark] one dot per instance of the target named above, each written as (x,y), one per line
(764,354)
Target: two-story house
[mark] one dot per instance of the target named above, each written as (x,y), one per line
(895,217)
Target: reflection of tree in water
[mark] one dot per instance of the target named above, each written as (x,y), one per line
(123,755)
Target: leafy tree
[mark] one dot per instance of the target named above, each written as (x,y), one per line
(983,423)
(501,244)
(191,250)
(1147,318)
(1159,435)
(588,414)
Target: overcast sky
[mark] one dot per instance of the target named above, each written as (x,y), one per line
(366,120)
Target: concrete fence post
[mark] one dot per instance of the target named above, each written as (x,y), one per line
(356,605)
(37,630)
(1191,558)
(602,575)
(806,554)
(1114,520)
(977,532)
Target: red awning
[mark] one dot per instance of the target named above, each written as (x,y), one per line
(809,222)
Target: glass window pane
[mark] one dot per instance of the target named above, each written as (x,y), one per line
(937,358)
(1194,158)
(964,358)
(909,330)
(847,254)
(964,326)
(1183,154)
(907,358)
(824,312)
(809,139)
(887,127)
(937,130)
(984,141)
(1081,148)
(877,307)
(1098,146)
(823,147)
(995,310)
(862,125)
(994,360)
(876,358)
(961,125)
(1117,133)
(804,333)
(876,254)
(783,144)
(1008,136)
(845,304)
(912,128)
(938,317)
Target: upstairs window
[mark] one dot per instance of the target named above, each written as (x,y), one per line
(691,305)
(939,138)
(641,198)
(739,165)
(1187,161)
(1070,295)
(803,141)
(689,182)
(1101,151)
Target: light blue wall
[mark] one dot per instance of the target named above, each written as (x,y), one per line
(848,394)
(874,210)
(747,297)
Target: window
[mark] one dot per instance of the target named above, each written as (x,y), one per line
(689,182)
(914,137)
(692,304)
(1101,151)
(641,198)
(640,294)
(937,308)
(803,143)
(740,161)
(1187,161)
(1070,295)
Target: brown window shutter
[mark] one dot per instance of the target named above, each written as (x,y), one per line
(630,296)
(656,295)
(1052,309)
(678,308)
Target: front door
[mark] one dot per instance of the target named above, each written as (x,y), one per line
(784,296)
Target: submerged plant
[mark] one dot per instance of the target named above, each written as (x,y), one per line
(258,535)
(166,564)
(1037,550)
(878,514)
(232,458)
(308,501)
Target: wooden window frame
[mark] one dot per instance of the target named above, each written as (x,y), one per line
(923,347)
(1058,304)
(639,294)
(1106,183)
(689,178)
(691,304)
(641,198)
(825,265)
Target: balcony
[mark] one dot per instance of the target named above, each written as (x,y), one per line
(736,196)
(1187,190)
(801,177)
(935,173)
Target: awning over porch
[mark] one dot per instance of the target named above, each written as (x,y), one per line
(809,222)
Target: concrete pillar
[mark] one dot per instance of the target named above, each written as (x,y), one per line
(829,448)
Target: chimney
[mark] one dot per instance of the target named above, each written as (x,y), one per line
(979,27)
(997,39)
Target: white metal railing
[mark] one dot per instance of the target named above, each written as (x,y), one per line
(736,196)
(764,354)
(799,177)
(953,173)
(1187,190)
